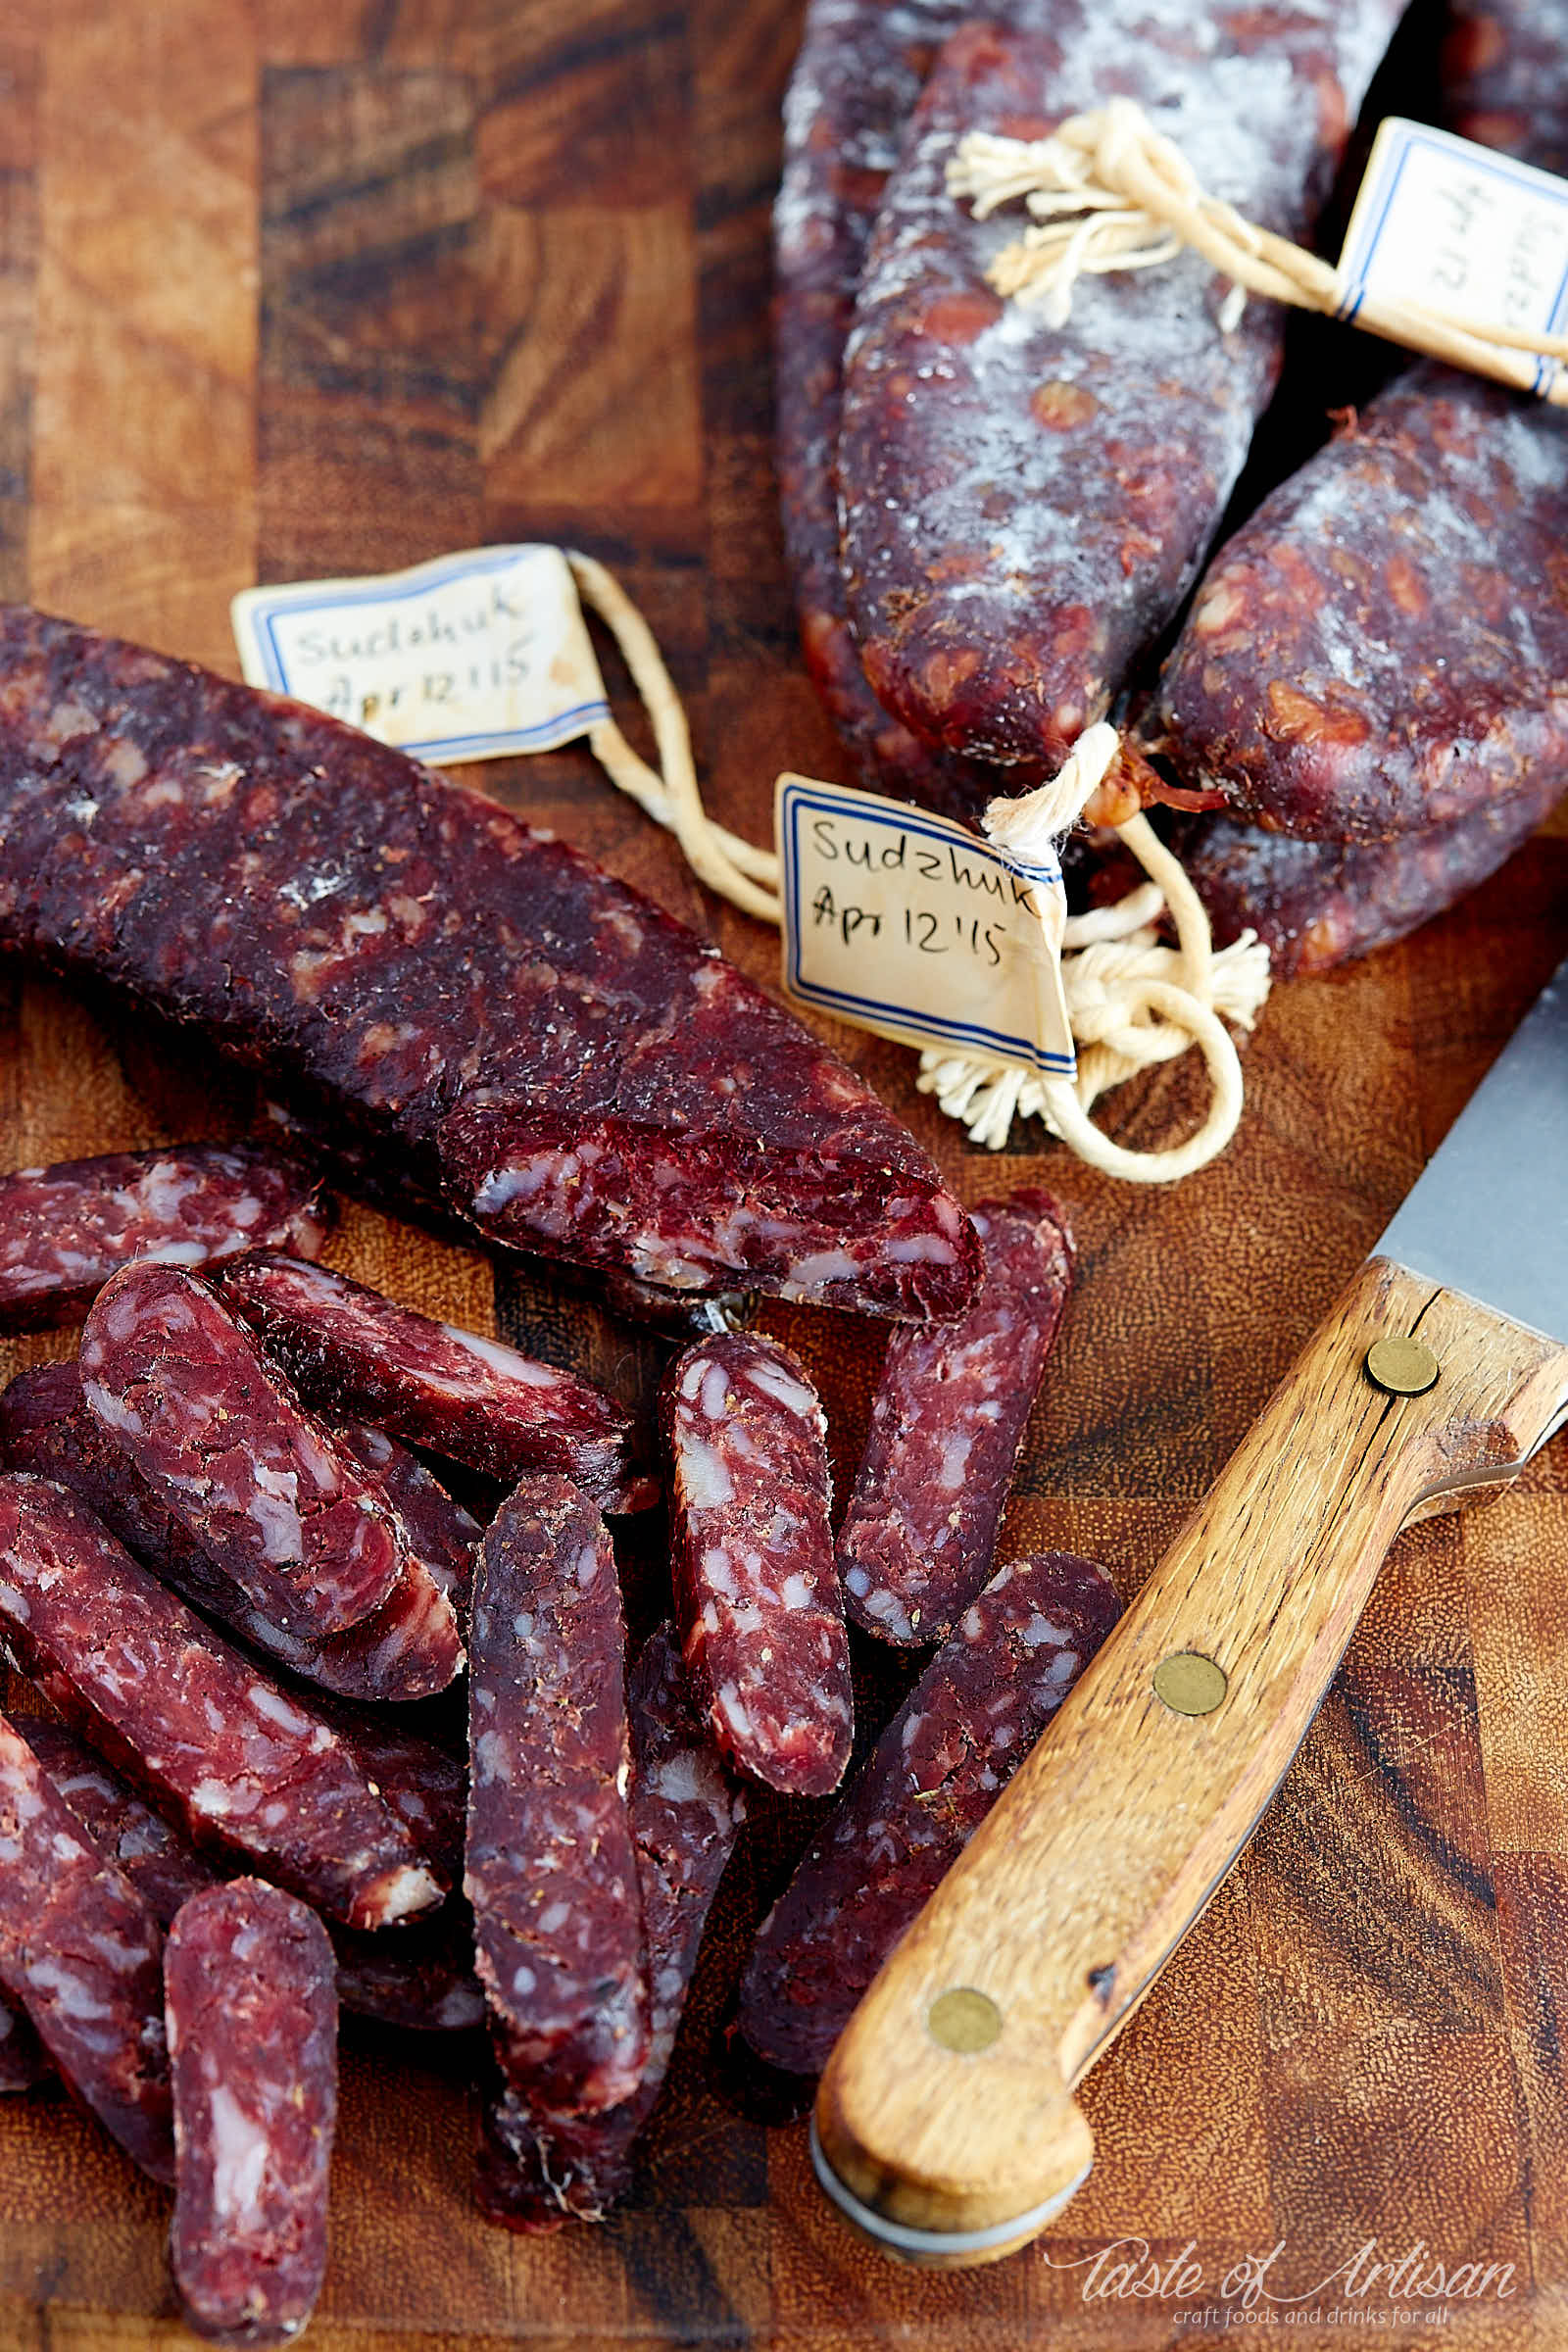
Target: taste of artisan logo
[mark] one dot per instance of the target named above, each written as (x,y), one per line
(1369,2288)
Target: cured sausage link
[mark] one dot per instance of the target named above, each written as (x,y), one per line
(925,1788)
(538,2169)
(474,1400)
(538,1044)
(181,1387)
(82,1953)
(248,1771)
(64,1230)
(252,2017)
(757,1592)
(551,1870)
(407,1648)
(1502,77)
(946,1423)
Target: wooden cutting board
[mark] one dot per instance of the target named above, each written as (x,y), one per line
(318,286)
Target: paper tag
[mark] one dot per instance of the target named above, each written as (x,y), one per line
(471,657)
(904,924)
(1457,229)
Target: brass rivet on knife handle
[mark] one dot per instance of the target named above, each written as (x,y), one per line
(1188,1682)
(963,2020)
(1403,1367)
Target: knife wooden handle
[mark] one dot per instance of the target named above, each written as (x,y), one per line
(1112,1838)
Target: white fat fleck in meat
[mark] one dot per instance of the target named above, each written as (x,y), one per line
(407,1890)
(501,1359)
(14,1604)
(889,1610)
(122,1318)
(715,1391)
(492,1758)
(274,1511)
(691,1380)
(65,1847)
(820,1267)
(1063,1666)
(178,1253)
(72,1995)
(588,1565)
(955,1452)
(734,1711)
(928,1248)
(798,1590)
(706,1481)
(275,1708)
(240,2155)
(214,1799)
(793,1394)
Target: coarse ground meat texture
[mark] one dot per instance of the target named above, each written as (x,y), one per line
(928,1784)
(551,1868)
(757,1592)
(407,1648)
(1316,903)
(180,1385)
(541,1046)
(252,2015)
(248,1771)
(64,1230)
(1382,648)
(1504,78)
(82,1953)
(538,2169)
(474,1400)
(159,1860)
(946,1423)
(1026,505)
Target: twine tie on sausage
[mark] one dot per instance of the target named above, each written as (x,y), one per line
(1132,1000)
(1107,191)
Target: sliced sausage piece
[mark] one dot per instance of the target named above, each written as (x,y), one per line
(1382,647)
(928,1784)
(537,2168)
(250,1771)
(756,1593)
(552,1872)
(541,1046)
(64,1230)
(407,1648)
(159,1860)
(251,2016)
(348,1349)
(420,1783)
(82,1953)
(948,1421)
(1025,504)
(181,1387)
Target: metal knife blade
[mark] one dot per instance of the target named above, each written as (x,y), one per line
(1488,1217)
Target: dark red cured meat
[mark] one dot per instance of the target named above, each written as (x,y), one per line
(252,2012)
(1504,78)
(551,1870)
(946,1423)
(64,1230)
(181,1388)
(23,2060)
(756,1593)
(407,1648)
(424,1786)
(250,1771)
(420,1980)
(81,1952)
(539,1045)
(1384,646)
(538,2169)
(928,1784)
(159,1860)
(1024,506)
(1317,903)
(349,1350)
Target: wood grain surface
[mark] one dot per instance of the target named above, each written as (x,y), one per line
(294,287)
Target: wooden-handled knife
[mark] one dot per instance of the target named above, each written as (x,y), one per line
(945,2128)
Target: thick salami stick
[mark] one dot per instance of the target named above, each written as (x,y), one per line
(82,1953)
(1317,903)
(552,1872)
(407,1648)
(947,1424)
(181,1388)
(64,1230)
(538,2169)
(576,1073)
(249,1772)
(1384,646)
(474,1400)
(1502,77)
(252,2014)
(928,1784)
(757,1592)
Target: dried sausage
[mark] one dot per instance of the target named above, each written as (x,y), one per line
(757,1592)
(349,1350)
(252,2017)
(551,1871)
(538,1044)
(251,1772)
(1502,77)
(1025,504)
(929,1783)
(946,1423)
(407,1648)
(64,1230)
